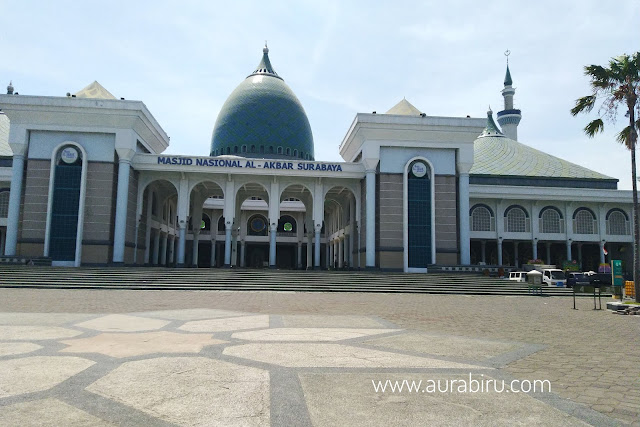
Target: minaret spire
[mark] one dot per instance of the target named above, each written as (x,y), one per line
(509,118)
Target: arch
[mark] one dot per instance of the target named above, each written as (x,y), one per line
(482,218)
(418,254)
(251,188)
(210,185)
(221,226)
(206,222)
(584,221)
(4,203)
(551,220)
(611,211)
(516,219)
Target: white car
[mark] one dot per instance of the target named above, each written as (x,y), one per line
(518,276)
(554,277)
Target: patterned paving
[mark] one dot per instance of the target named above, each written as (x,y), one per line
(196,367)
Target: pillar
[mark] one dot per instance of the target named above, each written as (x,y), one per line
(548,253)
(499,251)
(212,261)
(156,248)
(569,250)
(602,257)
(172,249)
(341,252)
(182,241)
(147,236)
(227,245)
(352,230)
(463,214)
(15,193)
(309,251)
(580,255)
(124,166)
(483,251)
(243,246)
(299,257)
(330,252)
(272,245)
(515,254)
(534,248)
(234,248)
(163,249)
(196,241)
(370,243)
(316,254)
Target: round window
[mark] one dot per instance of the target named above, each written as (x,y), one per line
(288,226)
(419,169)
(257,224)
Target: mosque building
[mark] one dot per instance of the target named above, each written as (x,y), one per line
(84,181)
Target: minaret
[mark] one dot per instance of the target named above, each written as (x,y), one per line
(509,118)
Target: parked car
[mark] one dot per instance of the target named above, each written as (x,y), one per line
(600,279)
(518,276)
(577,278)
(554,277)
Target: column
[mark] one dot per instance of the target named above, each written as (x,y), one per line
(196,241)
(316,254)
(548,253)
(515,254)
(340,253)
(463,214)
(156,247)
(330,252)
(534,247)
(299,257)
(147,236)
(212,261)
(234,248)
(124,166)
(182,241)
(17,170)
(227,245)
(243,246)
(370,244)
(163,249)
(602,257)
(483,251)
(499,251)
(309,250)
(272,245)
(172,249)
(352,230)
(569,250)
(580,255)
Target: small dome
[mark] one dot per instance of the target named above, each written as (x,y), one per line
(263,118)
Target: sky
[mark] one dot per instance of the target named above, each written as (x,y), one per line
(183,59)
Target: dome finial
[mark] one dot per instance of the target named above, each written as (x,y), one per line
(507,77)
(266,49)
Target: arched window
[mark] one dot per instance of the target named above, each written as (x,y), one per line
(551,221)
(288,152)
(482,219)
(279,150)
(617,223)
(244,148)
(271,149)
(295,153)
(262,149)
(235,150)
(419,216)
(221,226)
(228,150)
(584,222)
(516,220)
(253,148)
(205,224)
(4,204)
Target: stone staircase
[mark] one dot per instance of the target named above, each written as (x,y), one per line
(154,278)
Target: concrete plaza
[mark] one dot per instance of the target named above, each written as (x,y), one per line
(109,357)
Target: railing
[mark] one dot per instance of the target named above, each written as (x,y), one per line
(560,227)
(594,230)
(616,229)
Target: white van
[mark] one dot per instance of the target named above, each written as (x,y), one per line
(518,276)
(554,277)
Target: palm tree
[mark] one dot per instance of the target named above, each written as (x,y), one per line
(615,86)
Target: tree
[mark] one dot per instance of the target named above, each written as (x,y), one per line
(613,87)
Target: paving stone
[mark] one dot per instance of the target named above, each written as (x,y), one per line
(190,391)
(13,348)
(228,324)
(191,314)
(308,334)
(47,412)
(138,344)
(123,323)
(335,321)
(334,355)
(35,333)
(37,373)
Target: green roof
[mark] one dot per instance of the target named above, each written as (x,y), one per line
(499,155)
(263,118)
(507,78)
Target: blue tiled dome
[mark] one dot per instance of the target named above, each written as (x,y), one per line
(263,118)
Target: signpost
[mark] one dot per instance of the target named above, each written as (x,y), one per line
(617,279)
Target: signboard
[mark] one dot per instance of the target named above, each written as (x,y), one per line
(69,155)
(241,163)
(616,271)
(419,169)
(288,226)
